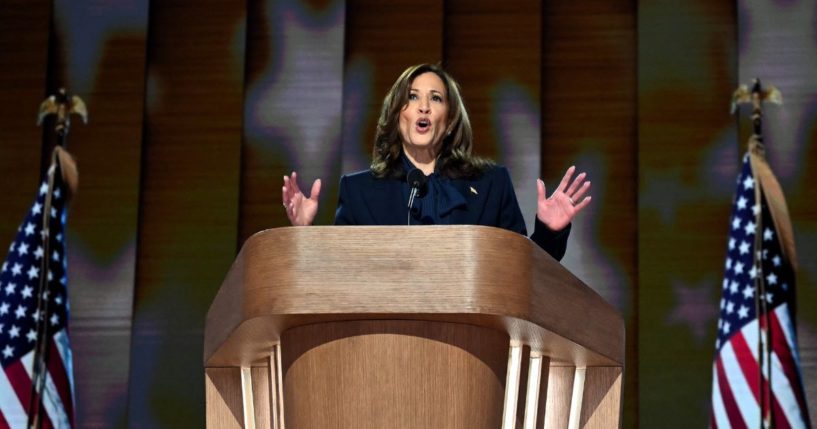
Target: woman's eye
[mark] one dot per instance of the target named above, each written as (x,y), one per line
(437,98)
(412,96)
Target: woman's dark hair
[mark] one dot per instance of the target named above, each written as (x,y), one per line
(455,159)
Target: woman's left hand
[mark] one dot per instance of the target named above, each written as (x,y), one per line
(557,211)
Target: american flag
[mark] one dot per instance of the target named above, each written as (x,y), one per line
(31,259)
(756,379)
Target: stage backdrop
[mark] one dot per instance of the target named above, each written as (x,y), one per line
(198,108)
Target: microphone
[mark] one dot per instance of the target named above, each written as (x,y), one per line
(416,180)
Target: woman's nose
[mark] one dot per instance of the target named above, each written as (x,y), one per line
(424,107)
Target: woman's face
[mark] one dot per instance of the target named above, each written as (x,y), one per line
(424,119)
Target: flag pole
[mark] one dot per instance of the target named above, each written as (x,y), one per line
(756,96)
(764,351)
(62,106)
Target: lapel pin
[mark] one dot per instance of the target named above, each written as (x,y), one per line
(473,191)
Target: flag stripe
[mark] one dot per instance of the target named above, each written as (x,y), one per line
(783,317)
(747,363)
(20,383)
(47,423)
(785,394)
(64,348)
(787,373)
(27,362)
(11,409)
(729,403)
(747,356)
(50,398)
(751,371)
(785,362)
(53,403)
(719,417)
(744,397)
(781,420)
(59,379)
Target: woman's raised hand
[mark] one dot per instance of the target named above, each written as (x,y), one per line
(558,210)
(300,210)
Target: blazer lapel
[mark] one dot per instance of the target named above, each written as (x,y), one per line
(475,197)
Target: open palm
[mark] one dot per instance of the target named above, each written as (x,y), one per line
(558,210)
(301,210)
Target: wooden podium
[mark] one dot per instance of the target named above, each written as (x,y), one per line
(408,327)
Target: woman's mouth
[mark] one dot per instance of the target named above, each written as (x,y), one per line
(423,125)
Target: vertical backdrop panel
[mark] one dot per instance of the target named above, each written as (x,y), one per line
(382,40)
(494,50)
(589,111)
(777,43)
(24,34)
(688,160)
(292,109)
(189,201)
(98,53)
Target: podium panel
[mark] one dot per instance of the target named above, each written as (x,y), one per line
(398,374)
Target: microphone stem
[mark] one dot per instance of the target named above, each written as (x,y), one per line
(410,203)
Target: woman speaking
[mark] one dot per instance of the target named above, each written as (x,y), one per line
(423,172)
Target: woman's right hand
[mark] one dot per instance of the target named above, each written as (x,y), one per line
(300,210)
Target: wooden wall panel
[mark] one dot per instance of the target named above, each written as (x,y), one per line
(293,107)
(688,161)
(381,42)
(24,30)
(589,111)
(494,50)
(102,223)
(189,201)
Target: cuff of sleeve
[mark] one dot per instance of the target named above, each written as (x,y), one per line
(543,234)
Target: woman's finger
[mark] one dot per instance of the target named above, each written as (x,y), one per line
(316,190)
(580,193)
(540,189)
(579,207)
(566,179)
(575,184)
(294,183)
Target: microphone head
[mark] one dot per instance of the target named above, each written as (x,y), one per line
(416,178)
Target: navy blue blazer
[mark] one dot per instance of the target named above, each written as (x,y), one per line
(367,200)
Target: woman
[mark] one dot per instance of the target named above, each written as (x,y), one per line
(424,125)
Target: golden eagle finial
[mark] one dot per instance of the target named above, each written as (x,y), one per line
(743,95)
(63,106)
